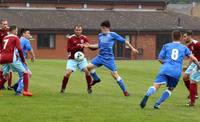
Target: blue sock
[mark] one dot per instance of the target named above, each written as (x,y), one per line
(151,91)
(94,75)
(121,84)
(166,94)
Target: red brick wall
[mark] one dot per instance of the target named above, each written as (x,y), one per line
(59,52)
(148,44)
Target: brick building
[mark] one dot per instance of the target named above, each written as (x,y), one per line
(145,23)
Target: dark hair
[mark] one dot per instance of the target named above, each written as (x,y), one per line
(176,34)
(24,30)
(189,33)
(106,23)
(78,25)
(2,20)
(12,27)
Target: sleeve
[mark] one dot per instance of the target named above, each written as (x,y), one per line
(86,39)
(187,52)
(71,47)
(18,46)
(28,45)
(118,38)
(162,53)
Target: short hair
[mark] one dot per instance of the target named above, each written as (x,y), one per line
(189,33)
(78,25)
(2,20)
(12,27)
(106,23)
(23,30)
(176,34)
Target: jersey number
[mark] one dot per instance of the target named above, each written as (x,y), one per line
(5,43)
(175,53)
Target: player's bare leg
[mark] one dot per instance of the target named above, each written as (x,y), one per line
(89,80)
(120,82)
(65,80)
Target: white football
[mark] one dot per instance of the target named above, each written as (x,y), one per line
(79,56)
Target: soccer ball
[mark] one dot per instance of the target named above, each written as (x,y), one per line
(79,56)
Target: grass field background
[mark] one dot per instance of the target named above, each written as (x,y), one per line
(106,104)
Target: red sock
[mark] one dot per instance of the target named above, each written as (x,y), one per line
(192,92)
(196,90)
(2,80)
(25,80)
(64,82)
(187,84)
(89,80)
(10,80)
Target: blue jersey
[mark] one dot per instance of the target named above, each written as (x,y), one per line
(173,55)
(26,46)
(106,43)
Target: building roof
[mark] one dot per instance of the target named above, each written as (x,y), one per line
(52,19)
(81,1)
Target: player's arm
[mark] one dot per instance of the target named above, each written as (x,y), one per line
(30,51)
(92,46)
(130,46)
(18,46)
(194,59)
(71,47)
(161,57)
(122,40)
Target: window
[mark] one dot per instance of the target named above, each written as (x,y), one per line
(46,40)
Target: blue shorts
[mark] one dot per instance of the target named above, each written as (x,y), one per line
(73,64)
(107,62)
(191,68)
(16,66)
(165,79)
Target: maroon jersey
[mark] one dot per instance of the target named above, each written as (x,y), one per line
(73,45)
(10,43)
(195,48)
(3,33)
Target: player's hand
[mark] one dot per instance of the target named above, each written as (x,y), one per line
(86,45)
(33,59)
(135,51)
(81,45)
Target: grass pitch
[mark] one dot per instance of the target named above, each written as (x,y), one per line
(105,104)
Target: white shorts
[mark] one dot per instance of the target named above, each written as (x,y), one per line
(16,66)
(73,64)
(191,68)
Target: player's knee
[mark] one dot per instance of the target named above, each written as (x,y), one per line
(115,75)
(90,66)
(185,77)
(68,73)
(86,71)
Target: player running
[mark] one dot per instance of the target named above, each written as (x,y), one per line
(4,32)
(26,49)
(171,57)
(194,46)
(9,59)
(105,57)
(76,43)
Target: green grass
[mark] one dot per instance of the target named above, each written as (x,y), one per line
(106,104)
